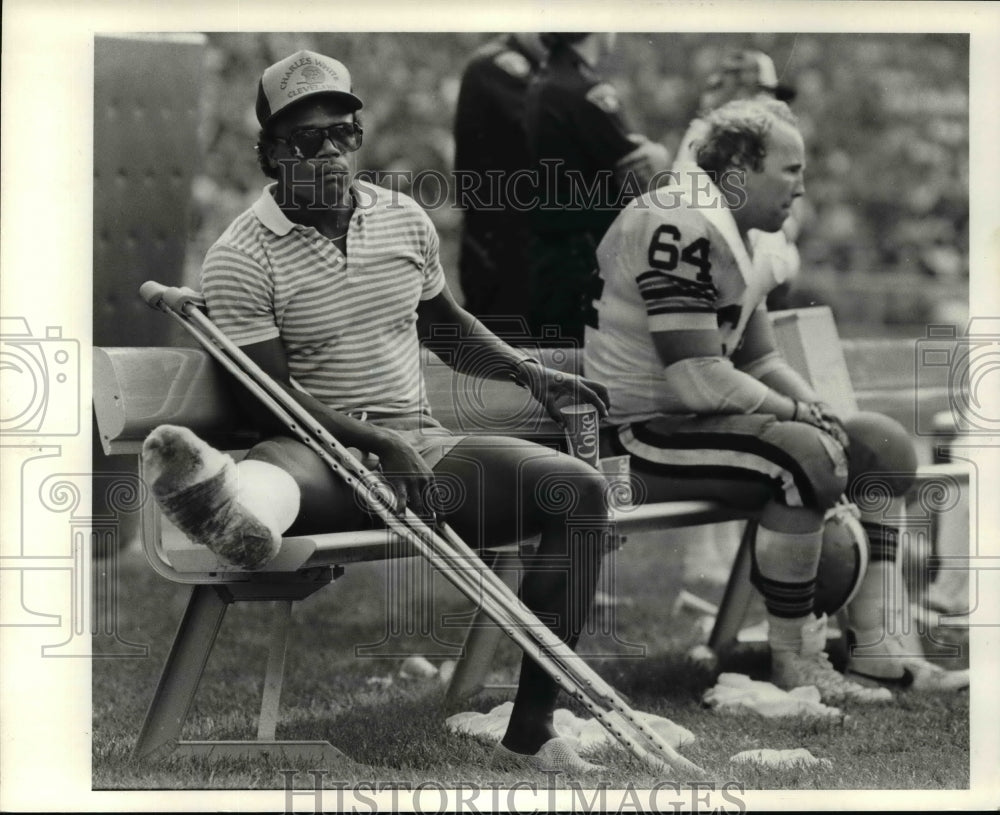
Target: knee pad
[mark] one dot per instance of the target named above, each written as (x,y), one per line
(881,447)
(819,461)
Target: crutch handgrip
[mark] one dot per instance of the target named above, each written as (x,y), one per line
(180,298)
(152,293)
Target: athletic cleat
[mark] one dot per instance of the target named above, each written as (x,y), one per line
(809,665)
(888,661)
(930,677)
(797,670)
(555,756)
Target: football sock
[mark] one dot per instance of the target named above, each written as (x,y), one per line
(883,541)
(237,510)
(877,595)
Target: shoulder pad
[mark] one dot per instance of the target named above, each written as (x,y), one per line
(668,205)
(604,96)
(513,63)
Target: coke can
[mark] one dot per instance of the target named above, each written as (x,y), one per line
(580,422)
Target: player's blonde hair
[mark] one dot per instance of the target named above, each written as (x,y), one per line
(737,134)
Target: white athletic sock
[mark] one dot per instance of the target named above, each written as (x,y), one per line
(237,511)
(784,634)
(784,571)
(881,595)
(869,608)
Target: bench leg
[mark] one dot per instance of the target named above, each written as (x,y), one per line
(193,643)
(182,672)
(482,639)
(267,725)
(736,599)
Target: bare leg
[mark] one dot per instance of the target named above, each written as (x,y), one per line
(327,504)
(516,489)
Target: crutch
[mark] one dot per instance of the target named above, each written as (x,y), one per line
(444,549)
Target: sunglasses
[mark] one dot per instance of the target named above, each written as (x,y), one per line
(308,141)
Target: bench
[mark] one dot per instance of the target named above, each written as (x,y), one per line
(137,389)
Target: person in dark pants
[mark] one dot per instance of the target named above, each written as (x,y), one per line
(491,153)
(588,165)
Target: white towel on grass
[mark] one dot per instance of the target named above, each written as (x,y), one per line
(782,759)
(736,693)
(583,734)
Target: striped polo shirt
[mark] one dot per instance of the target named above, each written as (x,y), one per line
(348,325)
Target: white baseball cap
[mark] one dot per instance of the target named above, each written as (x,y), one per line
(756,69)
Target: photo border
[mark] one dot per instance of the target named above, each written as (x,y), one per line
(47,58)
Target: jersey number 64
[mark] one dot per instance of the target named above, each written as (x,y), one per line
(665,252)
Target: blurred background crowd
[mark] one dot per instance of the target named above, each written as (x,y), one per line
(884,239)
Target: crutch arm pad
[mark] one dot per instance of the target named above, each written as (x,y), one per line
(152,293)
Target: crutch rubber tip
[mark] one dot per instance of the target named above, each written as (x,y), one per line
(152,293)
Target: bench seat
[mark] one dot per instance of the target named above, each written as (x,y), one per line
(138,389)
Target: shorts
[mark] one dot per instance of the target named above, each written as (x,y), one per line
(431,439)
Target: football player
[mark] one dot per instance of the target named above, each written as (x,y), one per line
(706,407)
(742,75)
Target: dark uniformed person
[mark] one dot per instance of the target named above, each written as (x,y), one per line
(588,165)
(490,150)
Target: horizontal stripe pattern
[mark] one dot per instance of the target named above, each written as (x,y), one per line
(883,541)
(666,294)
(785,599)
(348,326)
(719,455)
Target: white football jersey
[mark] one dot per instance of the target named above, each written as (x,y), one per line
(673,260)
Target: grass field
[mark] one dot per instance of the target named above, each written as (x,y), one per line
(397,728)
